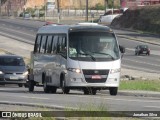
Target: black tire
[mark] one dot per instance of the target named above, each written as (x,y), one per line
(31,86)
(113,91)
(94,91)
(65,89)
(26,85)
(53,89)
(20,85)
(2,84)
(87,91)
(46,87)
(135,53)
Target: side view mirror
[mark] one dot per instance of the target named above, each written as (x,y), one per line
(122,49)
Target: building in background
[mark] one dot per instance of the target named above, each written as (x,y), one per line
(136,3)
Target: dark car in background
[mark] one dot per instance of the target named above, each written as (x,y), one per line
(142,49)
(13,70)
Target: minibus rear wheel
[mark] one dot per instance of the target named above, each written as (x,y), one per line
(20,85)
(53,89)
(31,85)
(45,86)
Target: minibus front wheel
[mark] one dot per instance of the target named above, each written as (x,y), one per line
(113,90)
(63,85)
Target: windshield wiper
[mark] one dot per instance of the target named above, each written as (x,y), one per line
(93,58)
(105,54)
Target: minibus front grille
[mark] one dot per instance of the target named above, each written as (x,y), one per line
(95,72)
(90,73)
(90,80)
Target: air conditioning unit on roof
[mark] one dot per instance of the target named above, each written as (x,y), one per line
(87,23)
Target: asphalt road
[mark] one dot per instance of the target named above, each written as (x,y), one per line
(76,99)
(25,30)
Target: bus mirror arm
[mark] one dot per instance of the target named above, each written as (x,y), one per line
(122,49)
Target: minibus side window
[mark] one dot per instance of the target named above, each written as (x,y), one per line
(59,44)
(54,44)
(37,44)
(49,44)
(43,44)
(62,50)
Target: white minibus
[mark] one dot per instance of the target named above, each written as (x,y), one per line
(81,56)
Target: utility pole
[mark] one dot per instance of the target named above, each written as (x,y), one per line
(0,8)
(105,5)
(58,10)
(86,10)
(45,8)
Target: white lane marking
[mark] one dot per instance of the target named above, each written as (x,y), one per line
(131,49)
(152,106)
(29,97)
(15,37)
(34,97)
(142,62)
(97,97)
(118,99)
(26,103)
(143,69)
(18,31)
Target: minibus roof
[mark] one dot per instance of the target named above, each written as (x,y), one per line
(49,29)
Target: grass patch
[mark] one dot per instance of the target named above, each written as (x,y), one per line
(149,85)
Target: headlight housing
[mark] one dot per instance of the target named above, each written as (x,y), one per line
(25,73)
(1,72)
(115,70)
(77,70)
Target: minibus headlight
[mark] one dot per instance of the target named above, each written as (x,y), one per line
(74,70)
(25,73)
(1,72)
(115,70)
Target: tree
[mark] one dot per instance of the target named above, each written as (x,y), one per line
(3,1)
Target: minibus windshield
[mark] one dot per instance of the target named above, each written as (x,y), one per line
(93,46)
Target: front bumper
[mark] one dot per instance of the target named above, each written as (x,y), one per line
(78,80)
(11,79)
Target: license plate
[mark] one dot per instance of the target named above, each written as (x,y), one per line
(13,77)
(96,77)
(144,51)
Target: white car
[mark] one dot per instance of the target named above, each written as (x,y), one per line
(108,17)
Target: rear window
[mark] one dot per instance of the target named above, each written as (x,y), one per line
(110,12)
(10,61)
(144,46)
